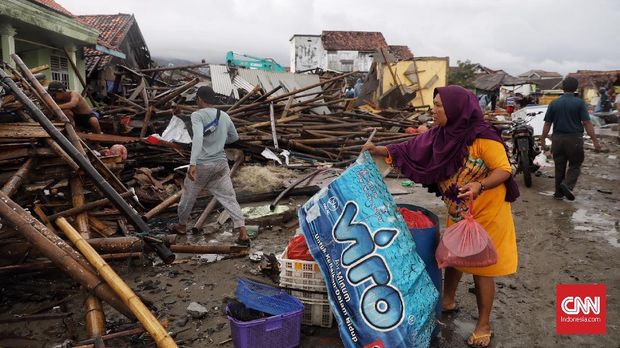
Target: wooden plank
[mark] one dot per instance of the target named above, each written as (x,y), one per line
(108,138)
(22,130)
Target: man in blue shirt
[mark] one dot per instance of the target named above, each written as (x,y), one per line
(569,116)
(208,167)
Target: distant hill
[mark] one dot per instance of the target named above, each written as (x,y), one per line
(160,61)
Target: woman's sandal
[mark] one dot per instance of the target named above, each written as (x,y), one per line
(474,340)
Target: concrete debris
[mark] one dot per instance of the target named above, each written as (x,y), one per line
(197,311)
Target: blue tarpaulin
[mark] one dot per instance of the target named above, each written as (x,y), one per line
(378,288)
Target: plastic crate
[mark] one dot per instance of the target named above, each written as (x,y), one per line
(266,298)
(317,313)
(311,296)
(278,331)
(299,268)
(317,310)
(303,284)
(300,274)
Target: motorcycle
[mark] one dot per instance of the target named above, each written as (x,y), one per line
(524,148)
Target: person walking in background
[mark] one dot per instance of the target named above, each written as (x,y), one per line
(604,102)
(357,89)
(569,116)
(483,100)
(493,100)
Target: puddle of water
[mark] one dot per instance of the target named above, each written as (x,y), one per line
(453,330)
(601,224)
(263,211)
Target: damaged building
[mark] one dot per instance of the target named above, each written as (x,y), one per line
(120,42)
(44,33)
(341,51)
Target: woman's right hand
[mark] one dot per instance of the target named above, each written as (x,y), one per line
(370,147)
(375,150)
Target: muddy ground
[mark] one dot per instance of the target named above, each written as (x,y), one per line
(558,241)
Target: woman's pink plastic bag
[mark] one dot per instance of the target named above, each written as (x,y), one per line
(466,244)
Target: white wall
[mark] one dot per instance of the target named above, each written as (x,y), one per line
(364,61)
(307,53)
(523,89)
(361,60)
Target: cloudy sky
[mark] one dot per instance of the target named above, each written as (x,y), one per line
(512,35)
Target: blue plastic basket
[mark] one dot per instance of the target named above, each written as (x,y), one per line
(426,241)
(278,331)
(265,298)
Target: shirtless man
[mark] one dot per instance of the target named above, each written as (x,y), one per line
(74,106)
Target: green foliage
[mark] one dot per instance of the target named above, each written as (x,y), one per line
(463,74)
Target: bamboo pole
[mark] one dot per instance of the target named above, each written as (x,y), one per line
(51,143)
(84,163)
(273,204)
(94,317)
(272,120)
(208,249)
(87,206)
(245,97)
(268,123)
(101,227)
(175,93)
(34,266)
(77,191)
(15,215)
(289,102)
(130,332)
(130,102)
(162,206)
(11,186)
(48,233)
(148,320)
(124,244)
(49,101)
(77,199)
(147,119)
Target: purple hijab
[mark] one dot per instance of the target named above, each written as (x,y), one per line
(440,152)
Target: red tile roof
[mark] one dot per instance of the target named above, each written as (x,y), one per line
(53,5)
(94,59)
(113,28)
(368,41)
(401,52)
(595,78)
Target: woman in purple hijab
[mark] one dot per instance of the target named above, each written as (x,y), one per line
(462,155)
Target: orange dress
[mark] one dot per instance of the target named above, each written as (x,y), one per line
(490,208)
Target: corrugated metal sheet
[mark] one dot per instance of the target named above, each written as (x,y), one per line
(240,82)
(248,78)
(289,81)
(220,80)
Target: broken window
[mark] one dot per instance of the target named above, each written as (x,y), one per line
(60,69)
(346,65)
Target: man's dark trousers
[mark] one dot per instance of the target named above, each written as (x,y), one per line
(567,150)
